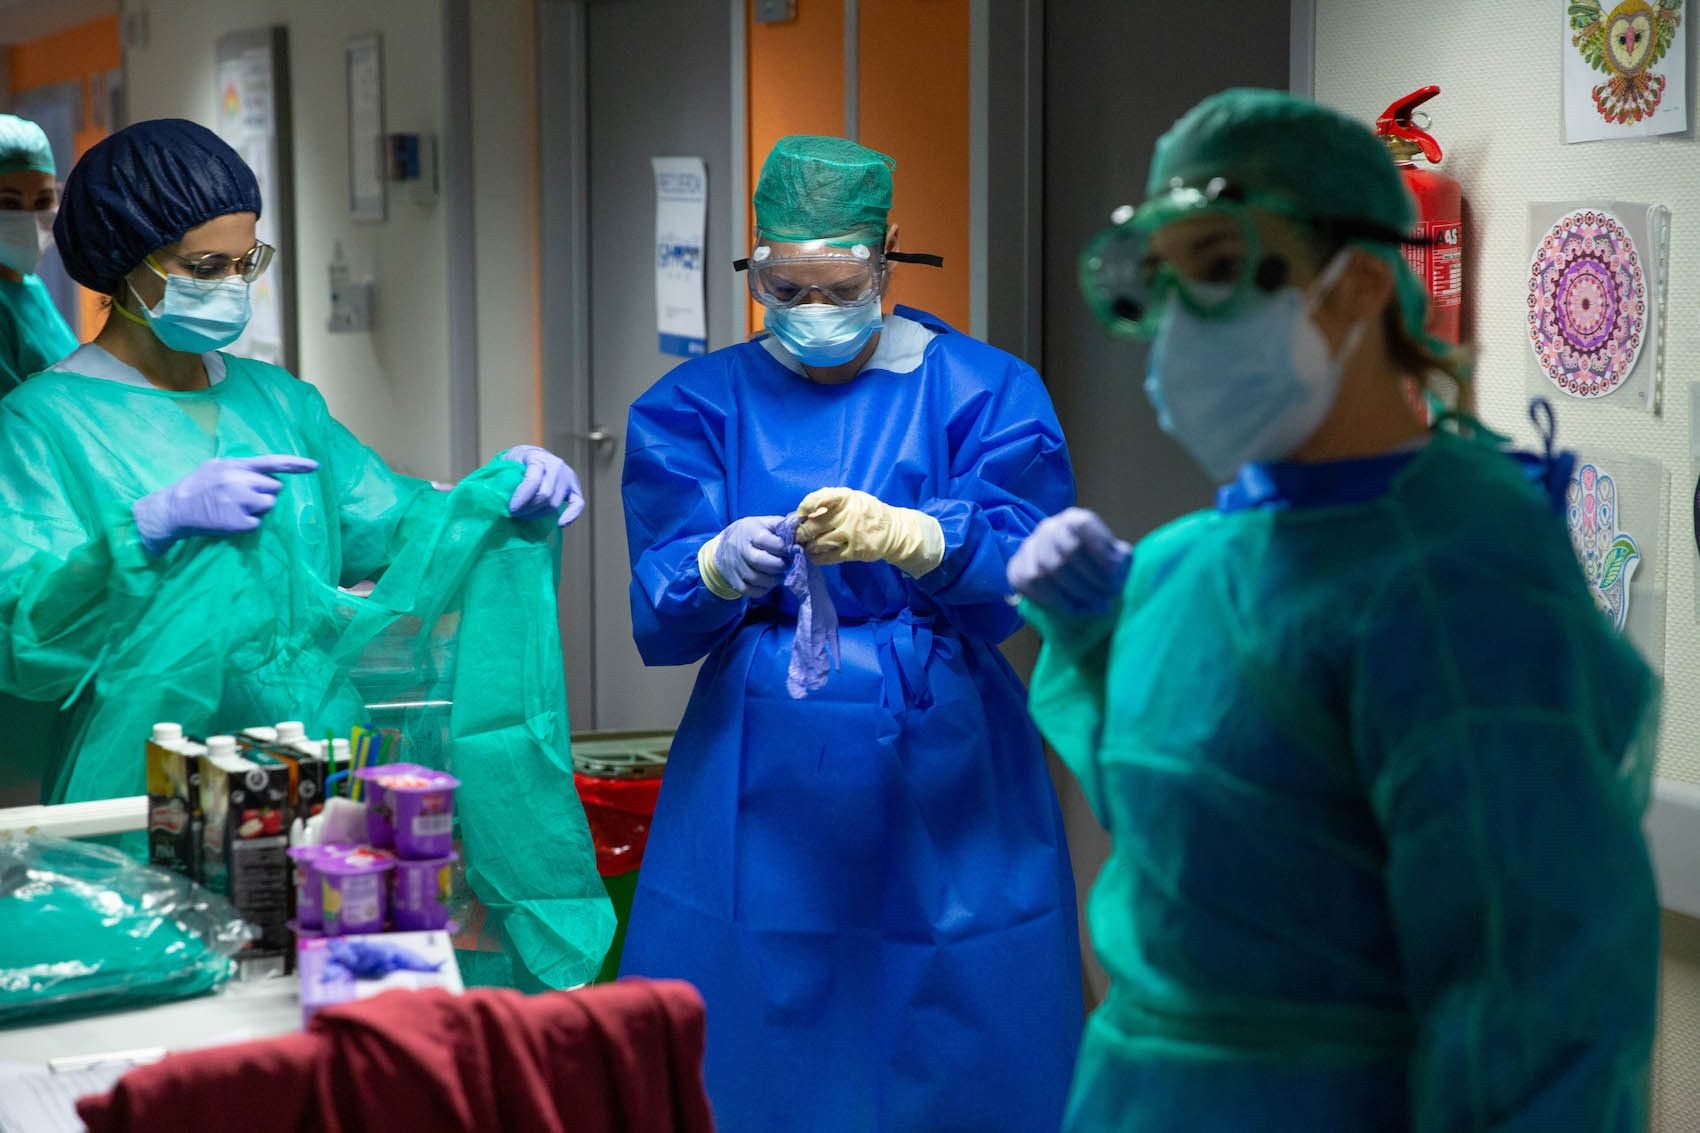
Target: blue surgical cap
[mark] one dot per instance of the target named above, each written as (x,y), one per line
(23,146)
(141,189)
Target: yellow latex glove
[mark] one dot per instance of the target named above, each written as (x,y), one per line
(842,525)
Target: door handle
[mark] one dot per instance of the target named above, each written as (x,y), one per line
(599,438)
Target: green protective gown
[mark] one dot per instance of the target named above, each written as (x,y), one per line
(222,633)
(1374,775)
(33,336)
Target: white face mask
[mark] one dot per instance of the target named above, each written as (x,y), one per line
(1250,388)
(23,238)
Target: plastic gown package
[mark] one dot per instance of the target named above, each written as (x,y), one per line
(85,929)
(1374,775)
(456,643)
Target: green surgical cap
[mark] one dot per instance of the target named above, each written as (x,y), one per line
(815,188)
(1318,162)
(24,147)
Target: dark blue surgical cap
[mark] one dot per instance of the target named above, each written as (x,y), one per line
(141,189)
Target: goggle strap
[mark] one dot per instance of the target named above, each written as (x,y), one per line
(925,259)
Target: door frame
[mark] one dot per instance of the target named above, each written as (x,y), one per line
(564,296)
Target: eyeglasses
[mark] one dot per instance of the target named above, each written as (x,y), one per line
(210,269)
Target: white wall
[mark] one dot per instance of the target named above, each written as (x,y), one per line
(391,386)
(1498,119)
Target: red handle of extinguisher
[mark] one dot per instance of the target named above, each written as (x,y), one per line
(1396,122)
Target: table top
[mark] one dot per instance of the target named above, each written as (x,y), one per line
(236,1012)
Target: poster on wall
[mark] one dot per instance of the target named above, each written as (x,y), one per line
(1625,69)
(681,220)
(252,79)
(364,64)
(1594,301)
(1614,512)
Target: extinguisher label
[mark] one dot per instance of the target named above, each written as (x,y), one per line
(1439,261)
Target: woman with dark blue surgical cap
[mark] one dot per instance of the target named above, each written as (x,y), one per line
(33,334)
(131,464)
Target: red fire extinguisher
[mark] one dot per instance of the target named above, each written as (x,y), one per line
(1439,259)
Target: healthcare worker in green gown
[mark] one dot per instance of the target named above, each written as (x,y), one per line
(33,334)
(149,453)
(1372,762)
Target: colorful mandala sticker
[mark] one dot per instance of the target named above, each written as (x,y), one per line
(1587,304)
(1608,555)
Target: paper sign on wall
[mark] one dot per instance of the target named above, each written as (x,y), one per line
(681,217)
(247,120)
(1625,69)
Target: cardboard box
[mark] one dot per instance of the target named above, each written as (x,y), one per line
(325,982)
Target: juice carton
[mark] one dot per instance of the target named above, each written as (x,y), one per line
(173,778)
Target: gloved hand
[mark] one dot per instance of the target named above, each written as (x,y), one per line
(221,497)
(375,959)
(842,525)
(747,560)
(1071,563)
(549,482)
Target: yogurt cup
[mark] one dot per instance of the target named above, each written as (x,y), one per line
(380,823)
(423,812)
(309,886)
(355,890)
(419,898)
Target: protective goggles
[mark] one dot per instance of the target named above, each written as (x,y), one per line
(848,277)
(210,269)
(1215,271)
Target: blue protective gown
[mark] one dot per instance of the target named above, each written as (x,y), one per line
(1373,768)
(871,885)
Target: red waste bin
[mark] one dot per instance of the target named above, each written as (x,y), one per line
(618,775)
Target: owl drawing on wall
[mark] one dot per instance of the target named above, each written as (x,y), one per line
(1626,44)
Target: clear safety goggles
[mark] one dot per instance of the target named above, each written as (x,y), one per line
(1215,267)
(847,277)
(210,269)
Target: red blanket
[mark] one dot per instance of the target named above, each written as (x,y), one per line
(626,1058)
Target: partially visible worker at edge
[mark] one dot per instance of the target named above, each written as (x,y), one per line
(871,884)
(33,334)
(127,463)
(1372,762)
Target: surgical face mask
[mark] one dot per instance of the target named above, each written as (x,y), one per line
(194,318)
(22,239)
(819,334)
(1250,388)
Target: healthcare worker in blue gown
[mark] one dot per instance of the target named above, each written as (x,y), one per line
(869,884)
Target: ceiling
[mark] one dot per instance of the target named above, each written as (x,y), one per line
(24,20)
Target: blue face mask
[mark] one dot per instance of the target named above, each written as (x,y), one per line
(820,334)
(1251,388)
(194,319)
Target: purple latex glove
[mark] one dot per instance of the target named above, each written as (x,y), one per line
(1071,563)
(752,557)
(221,497)
(814,648)
(375,959)
(549,483)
